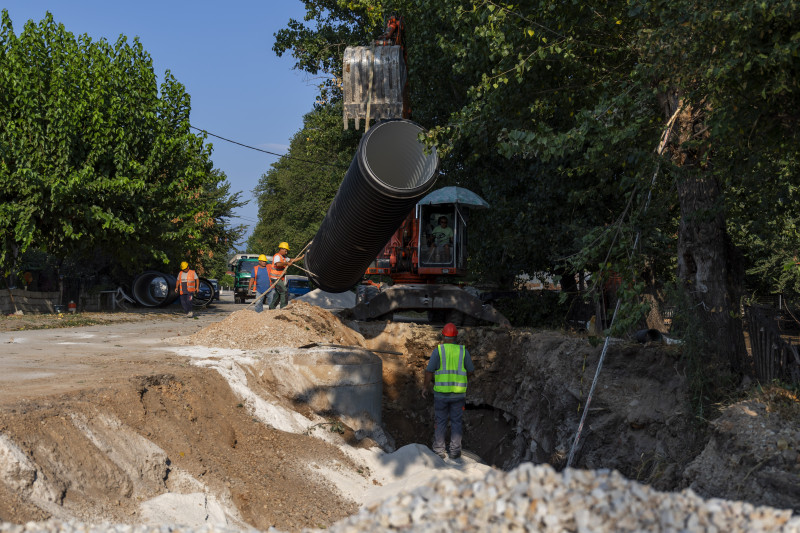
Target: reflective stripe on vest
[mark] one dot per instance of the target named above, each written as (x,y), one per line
(191,281)
(274,273)
(451,375)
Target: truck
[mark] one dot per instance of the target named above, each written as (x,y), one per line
(242,267)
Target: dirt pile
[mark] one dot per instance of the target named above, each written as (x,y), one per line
(113,454)
(297,324)
(753,453)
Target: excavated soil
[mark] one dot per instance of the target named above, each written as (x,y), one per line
(147,423)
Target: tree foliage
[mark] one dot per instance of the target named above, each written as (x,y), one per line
(97,158)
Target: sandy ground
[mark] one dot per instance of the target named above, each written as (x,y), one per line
(134,421)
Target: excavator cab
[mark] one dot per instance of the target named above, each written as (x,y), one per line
(374,78)
(443,238)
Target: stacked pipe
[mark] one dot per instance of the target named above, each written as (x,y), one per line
(156,289)
(390,172)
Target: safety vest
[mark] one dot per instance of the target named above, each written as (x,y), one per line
(255,275)
(275,272)
(191,281)
(451,375)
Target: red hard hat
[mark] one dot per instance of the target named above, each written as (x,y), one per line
(450,330)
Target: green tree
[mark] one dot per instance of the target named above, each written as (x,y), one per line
(96,158)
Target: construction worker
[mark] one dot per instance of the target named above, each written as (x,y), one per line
(280,262)
(260,282)
(448,368)
(186,285)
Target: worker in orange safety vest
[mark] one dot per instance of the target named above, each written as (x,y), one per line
(280,262)
(186,285)
(260,283)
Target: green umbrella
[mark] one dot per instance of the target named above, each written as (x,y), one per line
(454,195)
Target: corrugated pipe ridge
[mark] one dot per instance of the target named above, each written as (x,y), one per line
(388,175)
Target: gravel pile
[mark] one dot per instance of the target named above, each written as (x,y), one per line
(537,498)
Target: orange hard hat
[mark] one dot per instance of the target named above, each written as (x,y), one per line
(449,330)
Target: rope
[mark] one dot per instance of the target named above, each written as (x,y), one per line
(660,150)
(369,92)
(272,286)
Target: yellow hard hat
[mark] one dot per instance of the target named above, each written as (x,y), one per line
(285,245)
(262,257)
(184,265)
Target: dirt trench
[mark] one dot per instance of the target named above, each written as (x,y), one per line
(523,401)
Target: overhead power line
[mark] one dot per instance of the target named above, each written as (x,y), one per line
(319,163)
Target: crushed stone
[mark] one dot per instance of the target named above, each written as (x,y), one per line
(537,498)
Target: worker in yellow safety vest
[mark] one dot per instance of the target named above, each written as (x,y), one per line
(449,367)
(186,285)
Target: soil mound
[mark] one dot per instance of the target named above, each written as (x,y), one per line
(297,324)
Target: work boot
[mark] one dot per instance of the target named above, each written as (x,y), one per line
(443,455)
(190,314)
(456,455)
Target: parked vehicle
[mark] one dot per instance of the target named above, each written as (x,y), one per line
(297,286)
(242,266)
(214,283)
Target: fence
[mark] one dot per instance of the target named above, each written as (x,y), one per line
(773,356)
(27,301)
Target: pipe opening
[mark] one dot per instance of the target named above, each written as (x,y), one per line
(394,156)
(152,289)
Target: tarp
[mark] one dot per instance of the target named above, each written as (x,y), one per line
(454,195)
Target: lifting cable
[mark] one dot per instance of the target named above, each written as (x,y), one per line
(659,151)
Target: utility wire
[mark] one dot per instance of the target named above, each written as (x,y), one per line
(659,150)
(267,151)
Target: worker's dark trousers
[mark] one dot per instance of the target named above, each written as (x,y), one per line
(281,295)
(186,302)
(445,407)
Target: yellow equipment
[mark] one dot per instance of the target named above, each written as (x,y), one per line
(184,265)
(262,257)
(284,245)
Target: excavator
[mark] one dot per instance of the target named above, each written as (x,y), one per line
(385,212)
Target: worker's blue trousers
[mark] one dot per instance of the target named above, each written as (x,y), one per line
(452,408)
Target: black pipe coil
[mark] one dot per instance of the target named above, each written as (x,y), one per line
(388,175)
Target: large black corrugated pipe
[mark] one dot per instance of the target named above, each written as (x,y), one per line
(388,175)
(154,289)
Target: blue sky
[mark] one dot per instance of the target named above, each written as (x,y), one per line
(223,54)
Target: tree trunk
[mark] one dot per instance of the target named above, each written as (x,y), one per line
(709,265)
